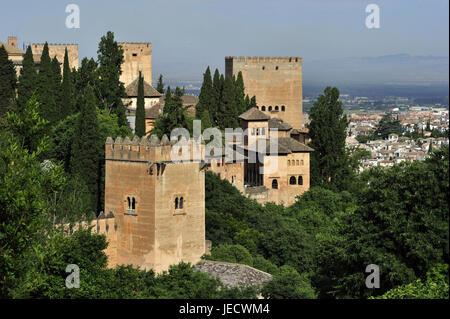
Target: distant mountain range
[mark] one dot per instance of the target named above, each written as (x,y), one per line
(397,69)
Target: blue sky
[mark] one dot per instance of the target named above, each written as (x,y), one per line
(188,35)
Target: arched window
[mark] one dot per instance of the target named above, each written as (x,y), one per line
(176,203)
(129,203)
(276,68)
(270,108)
(303,163)
(300,180)
(181,203)
(289,162)
(263,67)
(297,162)
(274,184)
(283,108)
(133,203)
(263,108)
(276,108)
(292,180)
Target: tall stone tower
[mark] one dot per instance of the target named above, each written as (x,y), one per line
(159,219)
(57,50)
(275,81)
(137,57)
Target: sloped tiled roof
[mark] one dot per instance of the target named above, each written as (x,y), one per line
(149,91)
(188,99)
(254,115)
(286,145)
(279,124)
(154,111)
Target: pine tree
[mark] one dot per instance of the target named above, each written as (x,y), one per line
(46,88)
(111,90)
(205,98)
(56,69)
(160,85)
(140,109)
(27,80)
(67,89)
(8,81)
(328,130)
(85,153)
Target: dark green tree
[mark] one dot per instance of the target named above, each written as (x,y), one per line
(217,94)
(205,99)
(46,91)
(388,125)
(329,162)
(56,68)
(160,85)
(85,152)
(140,109)
(67,89)
(228,108)
(239,94)
(110,89)
(27,80)
(8,81)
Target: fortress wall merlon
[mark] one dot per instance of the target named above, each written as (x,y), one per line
(147,150)
(263,59)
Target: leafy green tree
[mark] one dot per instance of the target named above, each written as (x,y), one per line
(160,85)
(435,286)
(67,89)
(110,89)
(140,109)
(388,125)
(25,222)
(327,129)
(231,253)
(85,151)
(8,81)
(288,284)
(27,80)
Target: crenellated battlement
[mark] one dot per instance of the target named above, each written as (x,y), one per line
(262,59)
(152,149)
(38,47)
(58,50)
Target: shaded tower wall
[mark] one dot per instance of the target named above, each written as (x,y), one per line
(137,57)
(154,233)
(275,81)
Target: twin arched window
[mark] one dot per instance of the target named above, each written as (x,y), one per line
(131,203)
(179,202)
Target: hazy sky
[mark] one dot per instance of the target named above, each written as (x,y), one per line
(188,35)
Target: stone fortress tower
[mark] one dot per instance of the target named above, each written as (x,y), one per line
(137,57)
(57,50)
(153,218)
(275,81)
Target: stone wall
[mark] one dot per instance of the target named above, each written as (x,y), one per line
(58,50)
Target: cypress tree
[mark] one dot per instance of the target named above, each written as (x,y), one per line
(240,94)
(228,110)
(56,69)
(46,88)
(27,80)
(252,102)
(85,153)
(206,120)
(168,101)
(247,102)
(328,129)
(8,81)
(111,90)
(140,109)
(217,91)
(205,98)
(67,89)
(160,85)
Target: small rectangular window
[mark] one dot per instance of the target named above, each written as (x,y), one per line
(134,54)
